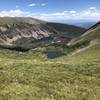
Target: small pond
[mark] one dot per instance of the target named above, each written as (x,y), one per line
(54,54)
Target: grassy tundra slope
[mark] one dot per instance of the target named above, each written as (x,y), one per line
(32,76)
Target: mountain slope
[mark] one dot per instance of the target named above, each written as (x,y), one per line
(24,32)
(69,30)
(31,75)
(91,35)
(13,30)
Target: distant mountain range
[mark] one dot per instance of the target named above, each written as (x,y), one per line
(80,23)
(85,25)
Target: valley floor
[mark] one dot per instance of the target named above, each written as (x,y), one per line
(32,76)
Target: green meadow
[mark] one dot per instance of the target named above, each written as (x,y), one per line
(33,76)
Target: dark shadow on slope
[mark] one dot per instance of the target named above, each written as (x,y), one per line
(15,48)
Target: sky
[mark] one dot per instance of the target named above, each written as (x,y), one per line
(52,10)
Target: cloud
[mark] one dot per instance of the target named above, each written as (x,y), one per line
(32,5)
(43,4)
(90,14)
(92,8)
(14,13)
